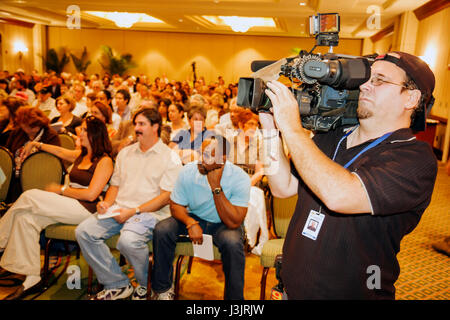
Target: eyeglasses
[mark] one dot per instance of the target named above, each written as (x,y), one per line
(376,80)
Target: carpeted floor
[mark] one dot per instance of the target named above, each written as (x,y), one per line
(425,273)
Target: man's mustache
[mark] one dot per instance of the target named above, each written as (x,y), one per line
(138,133)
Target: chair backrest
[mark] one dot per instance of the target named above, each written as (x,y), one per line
(66,141)
(40,169)
(282,210)
(7,166)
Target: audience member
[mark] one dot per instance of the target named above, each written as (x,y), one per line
(117,84)
(46,103)
(163,109)
(8,108)
(4,88)
(228,125)
(21,86)
(35,209)
(215,111)
(144,176)
(141,95)
(80,100)
(122,104)
(55,87)
(188,142)
(125,135)
(210,197)
(32,125)
(180,96)
(177,123)
(247,153)
(104,113)
(67,120)
(96,87)
(105,97)
(129,83)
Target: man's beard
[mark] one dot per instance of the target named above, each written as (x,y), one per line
(363,112)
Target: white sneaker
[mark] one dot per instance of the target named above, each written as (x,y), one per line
(166,295)
(114,294)
(140,293)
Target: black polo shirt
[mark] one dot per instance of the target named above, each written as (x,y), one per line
(398,176)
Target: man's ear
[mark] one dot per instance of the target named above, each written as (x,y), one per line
(155,127)
(413,99)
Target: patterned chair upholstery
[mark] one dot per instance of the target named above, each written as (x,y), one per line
(282,211)
(7,167)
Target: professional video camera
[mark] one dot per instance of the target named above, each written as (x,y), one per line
(326,86)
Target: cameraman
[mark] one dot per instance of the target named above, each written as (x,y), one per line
(363,187)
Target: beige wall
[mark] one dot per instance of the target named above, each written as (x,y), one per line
(159,53)
(427,38)
(432,43)
(10,60)
(383,45)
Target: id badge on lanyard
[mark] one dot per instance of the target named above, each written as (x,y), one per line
(313,224)
(316,218)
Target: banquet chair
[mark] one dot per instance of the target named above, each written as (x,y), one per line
(40,169)
(7,167)
(282,211)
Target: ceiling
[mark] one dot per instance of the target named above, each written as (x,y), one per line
(358,17)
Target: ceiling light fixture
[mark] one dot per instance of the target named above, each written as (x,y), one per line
(241,24)
(125,19)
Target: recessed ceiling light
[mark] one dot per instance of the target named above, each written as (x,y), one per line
(125,19)
(241,24)
(302,3)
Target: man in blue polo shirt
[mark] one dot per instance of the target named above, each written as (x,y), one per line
(210,197)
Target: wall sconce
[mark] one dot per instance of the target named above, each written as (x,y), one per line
(20,48)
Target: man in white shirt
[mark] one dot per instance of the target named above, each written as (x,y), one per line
(143,178)
(80,100)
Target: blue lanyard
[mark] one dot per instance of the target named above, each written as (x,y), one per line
(370,146)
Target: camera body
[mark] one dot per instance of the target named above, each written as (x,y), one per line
(326,86)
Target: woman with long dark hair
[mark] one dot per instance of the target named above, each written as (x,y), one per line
(35,209)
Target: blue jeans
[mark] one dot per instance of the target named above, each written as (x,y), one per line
(91,235)
(229,242)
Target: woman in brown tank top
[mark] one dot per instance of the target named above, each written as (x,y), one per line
(70,204)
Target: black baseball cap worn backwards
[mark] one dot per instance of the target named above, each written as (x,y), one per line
(419,72)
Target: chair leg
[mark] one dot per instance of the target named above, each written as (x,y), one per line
(177,276)
(89,288)
(262,295)
(149,276)
(46,262)
(191,259)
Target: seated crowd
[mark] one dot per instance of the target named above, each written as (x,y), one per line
(153,160)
